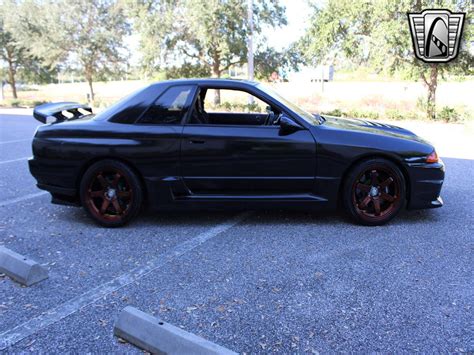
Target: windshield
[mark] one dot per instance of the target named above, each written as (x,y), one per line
(308,117)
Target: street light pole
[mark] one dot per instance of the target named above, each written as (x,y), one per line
(250,40)
(250,45)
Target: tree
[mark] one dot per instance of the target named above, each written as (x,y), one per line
(22,43)
(95,38)
(87,35)
(187,70)
(269,61)
(84,34)
(376,33)
(153,20)
(212,33)
(13,53)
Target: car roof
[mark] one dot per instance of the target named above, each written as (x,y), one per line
(209,81)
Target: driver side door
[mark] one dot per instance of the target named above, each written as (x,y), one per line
(235,153)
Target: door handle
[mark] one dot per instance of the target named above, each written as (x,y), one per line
(196,141)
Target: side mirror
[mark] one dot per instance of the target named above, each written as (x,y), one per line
(287,125)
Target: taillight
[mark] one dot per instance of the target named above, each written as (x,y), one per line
(432,158)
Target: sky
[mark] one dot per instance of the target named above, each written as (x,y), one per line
(297,13)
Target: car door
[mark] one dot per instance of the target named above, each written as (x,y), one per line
(237,159)
(156,147)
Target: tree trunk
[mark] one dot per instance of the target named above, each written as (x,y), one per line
(91,90)
(11,74)
(432,85)
(216,73)
(12,83)
(418,5)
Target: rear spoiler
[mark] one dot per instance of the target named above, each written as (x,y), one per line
(61,111)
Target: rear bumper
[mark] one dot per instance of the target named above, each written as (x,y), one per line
(57,190)
(426,181)
(58,181)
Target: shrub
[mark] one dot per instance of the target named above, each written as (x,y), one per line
(15,103)
(336,112)
(22,103)
(38,102)
(101,104)
(421,103)
(395,114)
(449,114)
(416,115)
(227,106)
(253,107)
(363,114)
(160,76)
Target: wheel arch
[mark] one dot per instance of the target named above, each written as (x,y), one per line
(394,159)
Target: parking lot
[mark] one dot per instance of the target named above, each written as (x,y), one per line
(253,281)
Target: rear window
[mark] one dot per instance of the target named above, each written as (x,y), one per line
(170,107)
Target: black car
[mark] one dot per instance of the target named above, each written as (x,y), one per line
(219,144)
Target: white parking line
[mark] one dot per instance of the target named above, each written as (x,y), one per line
(17,141)
(34,325)
(23,198)
(13,160)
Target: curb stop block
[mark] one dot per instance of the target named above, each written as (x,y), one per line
(157,337)
(21,269)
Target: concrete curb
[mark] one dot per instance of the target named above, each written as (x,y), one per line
(157,337)
(21,269)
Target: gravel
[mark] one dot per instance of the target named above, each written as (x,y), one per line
(276,282)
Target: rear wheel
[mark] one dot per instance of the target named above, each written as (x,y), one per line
(111,193)
(374,192)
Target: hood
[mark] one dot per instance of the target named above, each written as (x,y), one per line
(367,126)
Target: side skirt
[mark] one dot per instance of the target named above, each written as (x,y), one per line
(171,193)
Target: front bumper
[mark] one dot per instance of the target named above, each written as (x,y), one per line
(437,203)
(426,181)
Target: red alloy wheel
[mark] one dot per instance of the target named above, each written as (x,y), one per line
(109,195)
(376,193)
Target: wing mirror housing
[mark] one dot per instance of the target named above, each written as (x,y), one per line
(288,126)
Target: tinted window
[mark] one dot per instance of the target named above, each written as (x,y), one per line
(170,106)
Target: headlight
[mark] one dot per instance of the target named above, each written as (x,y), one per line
(432,158)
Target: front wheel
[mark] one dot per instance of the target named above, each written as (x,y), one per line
(374,192)
(111,193)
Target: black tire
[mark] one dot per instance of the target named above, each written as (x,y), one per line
(374,192)
(111,193)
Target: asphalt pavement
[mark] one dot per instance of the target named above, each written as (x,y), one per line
(254,282)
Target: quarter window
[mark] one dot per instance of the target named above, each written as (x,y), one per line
(170,107)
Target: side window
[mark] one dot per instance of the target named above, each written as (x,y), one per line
(232,101)
(170,107)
